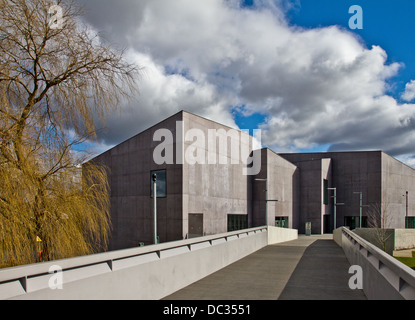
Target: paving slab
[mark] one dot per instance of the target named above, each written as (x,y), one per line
(312,267)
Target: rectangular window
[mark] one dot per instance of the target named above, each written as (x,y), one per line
(353,222)
(281,222)
(237,222)
(410,222)
(161,183)
(326,192)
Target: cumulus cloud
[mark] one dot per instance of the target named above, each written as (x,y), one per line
(318,86)
(409,94)
(162,95)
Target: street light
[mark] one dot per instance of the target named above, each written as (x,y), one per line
(155,206)
(266,199)
(335,204)
(406,216)
(360,206)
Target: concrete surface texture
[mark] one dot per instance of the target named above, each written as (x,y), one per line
(205,198)
(404,239)
(382,179)
(150,272)
(307,268)
(408,253)
(129,170)
(383,277)
(214,187)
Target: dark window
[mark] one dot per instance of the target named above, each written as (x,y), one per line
(326,191)
(410,222)
(353,222)
(281,222)
(161,183)
(237,222)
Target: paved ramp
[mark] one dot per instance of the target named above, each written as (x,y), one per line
(307,268)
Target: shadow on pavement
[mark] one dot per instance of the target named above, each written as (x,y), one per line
(321,274)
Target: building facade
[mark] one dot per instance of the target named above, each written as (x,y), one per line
(370,182)
(213,179)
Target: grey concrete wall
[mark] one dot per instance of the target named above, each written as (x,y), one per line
(129,166)
(383,276)
(311,207)
(313,172)
(311,175)
(404,239)
(278,235)
(283,185)
(350,172)
(214,189)
(381,178)
(397,178)
(150,272)
(326,209)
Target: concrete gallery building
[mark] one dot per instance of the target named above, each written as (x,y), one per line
(213,179)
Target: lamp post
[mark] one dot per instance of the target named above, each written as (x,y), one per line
(155,206)
(335,204)
(266,199)
(407,204)
(334,222)
(406,215)
(360,208)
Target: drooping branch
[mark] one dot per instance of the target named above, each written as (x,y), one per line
(53,84)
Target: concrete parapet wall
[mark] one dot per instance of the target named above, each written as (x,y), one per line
(277,235)
(338,235)
(150,272)
(404,239)
(384,277)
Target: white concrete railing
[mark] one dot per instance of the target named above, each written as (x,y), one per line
(150,272)
(384,277)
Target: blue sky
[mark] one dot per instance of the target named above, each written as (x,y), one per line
(386,23)
(292,68)
(389,24)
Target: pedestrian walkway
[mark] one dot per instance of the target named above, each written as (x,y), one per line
(311,267)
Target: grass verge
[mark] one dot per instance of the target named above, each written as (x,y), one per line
(410,262)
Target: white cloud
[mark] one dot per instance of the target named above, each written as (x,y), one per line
(409,94)
(316,86)
(162,95)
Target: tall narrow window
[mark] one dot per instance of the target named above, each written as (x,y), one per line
(326,192)
(161,183)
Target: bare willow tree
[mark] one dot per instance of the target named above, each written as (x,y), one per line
(56,78)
